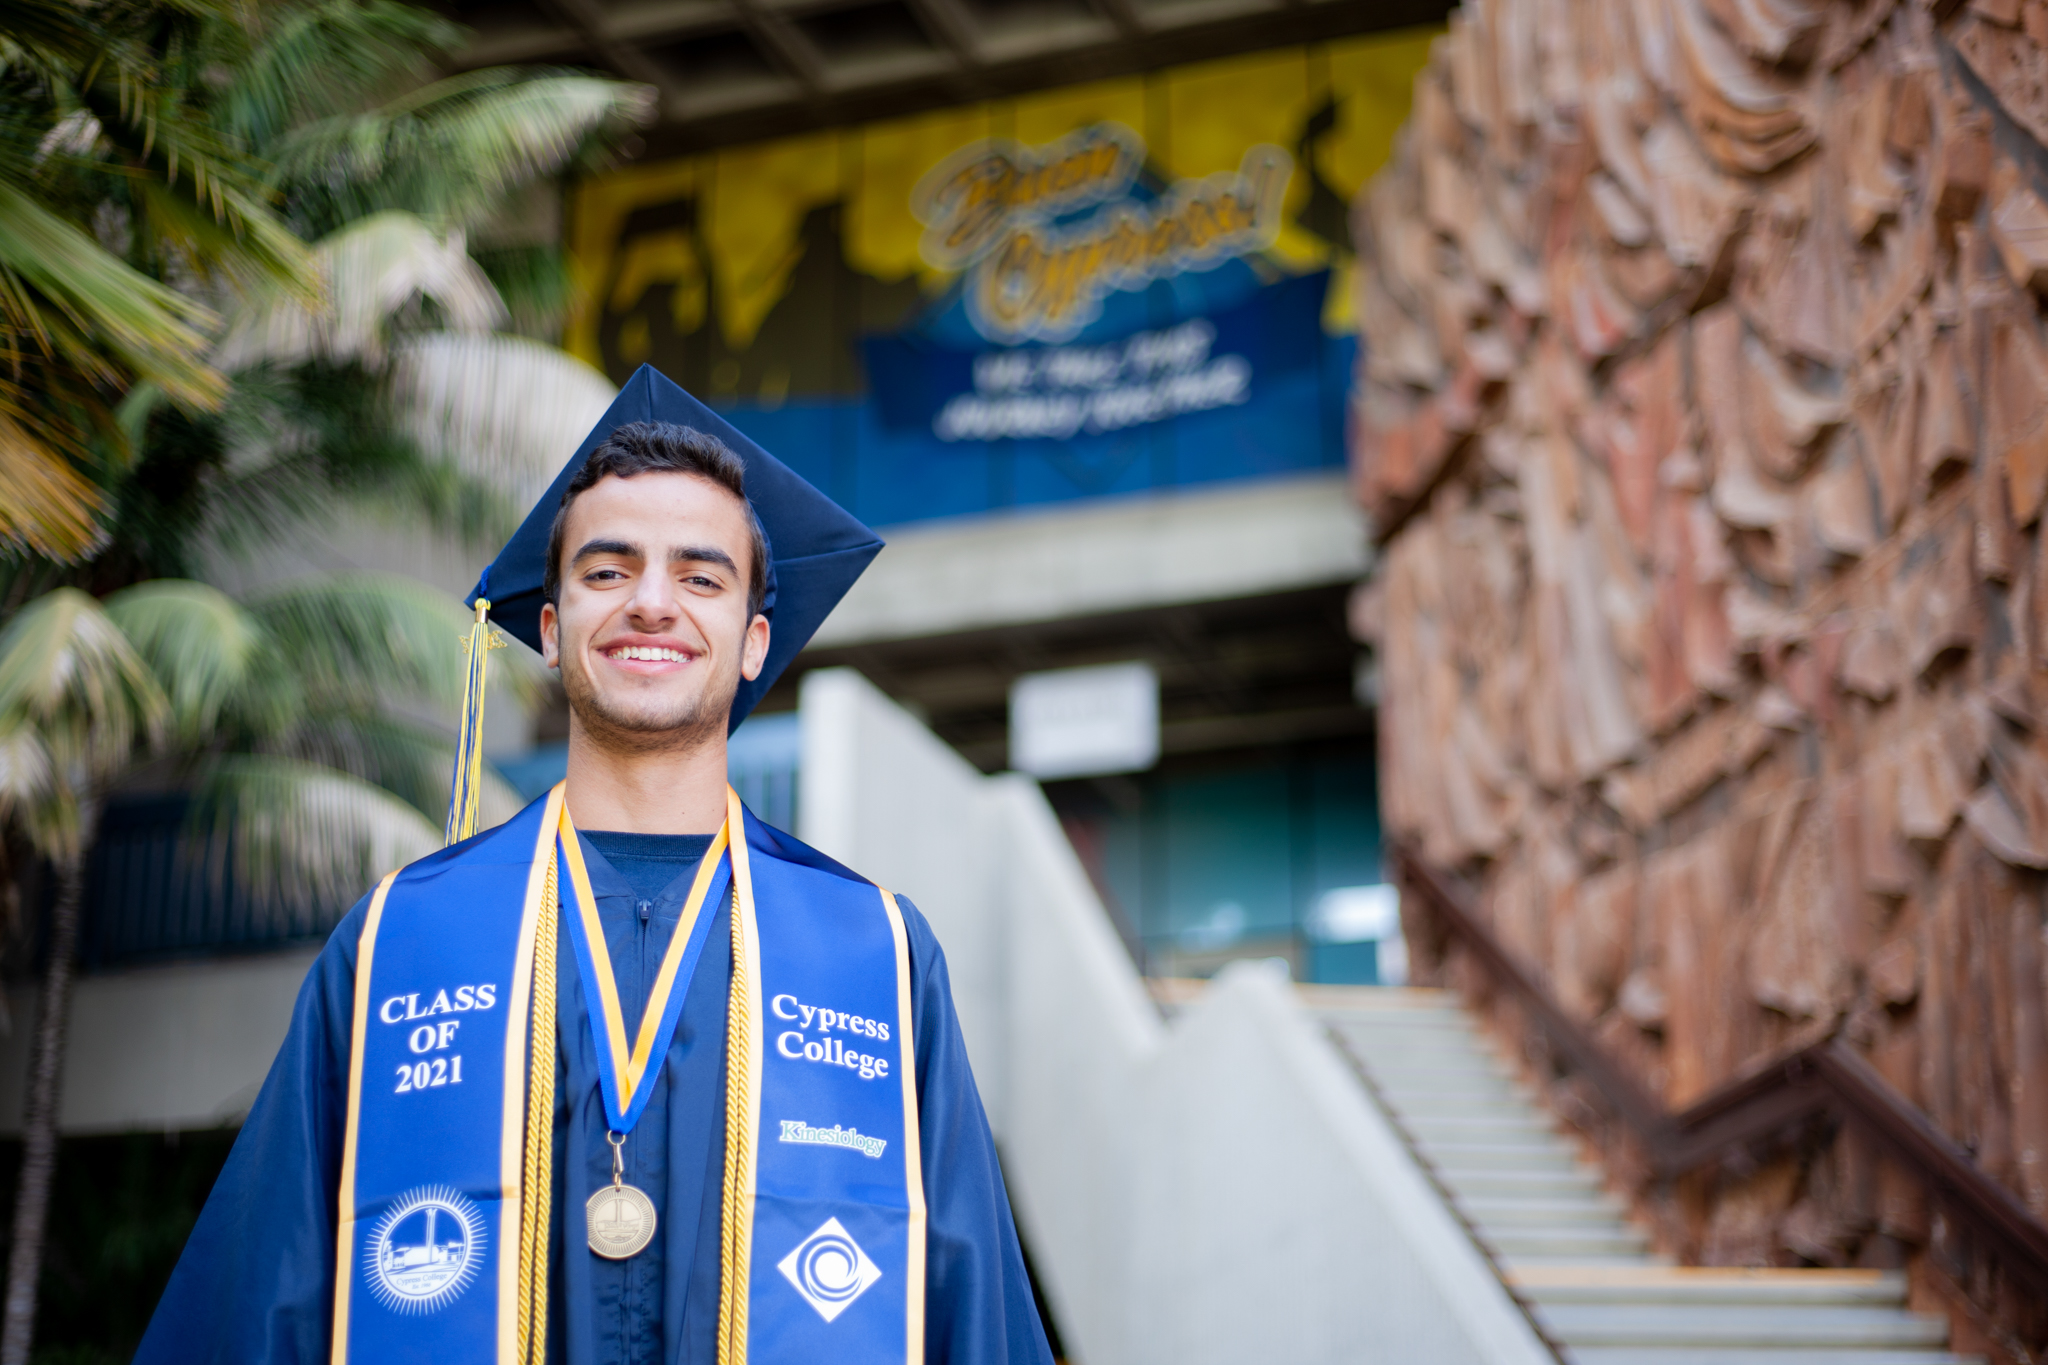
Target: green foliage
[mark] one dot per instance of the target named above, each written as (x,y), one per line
(279,712)
(76,702)
(451,151)
(161,167)
(112,181)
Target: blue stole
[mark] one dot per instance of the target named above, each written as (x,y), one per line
(442,1237)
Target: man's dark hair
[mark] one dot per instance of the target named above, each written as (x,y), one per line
(663,447)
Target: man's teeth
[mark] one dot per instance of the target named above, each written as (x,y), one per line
(651,654)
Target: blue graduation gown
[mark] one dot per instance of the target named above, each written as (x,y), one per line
(256,1280)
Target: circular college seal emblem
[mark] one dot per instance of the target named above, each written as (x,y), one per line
(425,1250)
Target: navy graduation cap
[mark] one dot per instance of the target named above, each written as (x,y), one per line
(816,549)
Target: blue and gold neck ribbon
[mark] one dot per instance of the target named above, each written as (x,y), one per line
(623,1074)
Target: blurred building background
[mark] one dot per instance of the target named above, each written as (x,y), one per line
(1580,464)
(1078,458)
(1056,295)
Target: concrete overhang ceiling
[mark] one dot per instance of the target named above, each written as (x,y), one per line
(732,70)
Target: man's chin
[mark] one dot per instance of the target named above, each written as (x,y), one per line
(643,727)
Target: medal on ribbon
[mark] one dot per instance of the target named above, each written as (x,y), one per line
(619,1219)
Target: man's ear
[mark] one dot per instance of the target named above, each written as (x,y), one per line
(550,636)
(755,656)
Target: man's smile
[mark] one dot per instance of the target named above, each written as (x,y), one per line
(648,659)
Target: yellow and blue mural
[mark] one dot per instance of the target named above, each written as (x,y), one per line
(1101,289)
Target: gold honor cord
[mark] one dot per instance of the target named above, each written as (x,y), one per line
(742,1074)
(536,1207)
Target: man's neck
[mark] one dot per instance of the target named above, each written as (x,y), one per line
(666,791)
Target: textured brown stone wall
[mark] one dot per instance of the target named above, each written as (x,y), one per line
(1704,409)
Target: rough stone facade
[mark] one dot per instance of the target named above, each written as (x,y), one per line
(1704,415)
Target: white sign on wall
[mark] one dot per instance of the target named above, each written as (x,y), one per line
(1084,722)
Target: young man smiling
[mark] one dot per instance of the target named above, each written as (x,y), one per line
(741,1125)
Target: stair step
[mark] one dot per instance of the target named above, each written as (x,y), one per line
(1452,1029)
(1375,1044)
(1507,1213)
(1414,1095)
(1566,1246)
(1705,1285)
(1745,1355)
(1499,1156)
(1448,1023)
(1749,1326)
(1420,1075)
(1526,1262)
(1492,1128)
(1619,1240)
(1427,1105)
(1491,1184)
(1387,1045)
(1430,1073)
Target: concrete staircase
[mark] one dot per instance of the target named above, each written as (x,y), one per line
(1565,1247)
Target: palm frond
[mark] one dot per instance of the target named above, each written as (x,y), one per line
(191,159)
(54,30)
(67,670)
(33,795)
(200,644)
(157,333)
(306,834)
(372,270)
(315,61)
(47,506)
(354,639)
(452,149)
(500,408)
(236,253)
(27,776)
(406,759)
(508,135)
(535,282)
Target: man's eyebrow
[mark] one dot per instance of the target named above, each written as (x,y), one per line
(621,548)
(702,554)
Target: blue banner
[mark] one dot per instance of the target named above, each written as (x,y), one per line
(1242,357)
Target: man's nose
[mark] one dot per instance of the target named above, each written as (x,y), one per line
(654,605)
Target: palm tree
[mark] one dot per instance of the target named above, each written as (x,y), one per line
(279,709)
(394,358)
(109,180)
(408,375)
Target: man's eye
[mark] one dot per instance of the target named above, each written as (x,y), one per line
(698,580)
(602,575)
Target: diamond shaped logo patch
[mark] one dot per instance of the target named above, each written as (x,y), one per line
(829,1269)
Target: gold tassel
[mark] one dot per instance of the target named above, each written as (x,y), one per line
(465,792)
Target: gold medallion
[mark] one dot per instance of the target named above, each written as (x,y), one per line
(621,1221)
(619,1218)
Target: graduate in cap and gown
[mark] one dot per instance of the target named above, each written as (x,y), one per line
(632,1077)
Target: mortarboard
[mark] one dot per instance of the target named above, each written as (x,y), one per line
(816,549)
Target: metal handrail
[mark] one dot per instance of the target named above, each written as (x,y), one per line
(1825,1076)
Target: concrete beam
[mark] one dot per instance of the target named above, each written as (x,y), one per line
(1237,540)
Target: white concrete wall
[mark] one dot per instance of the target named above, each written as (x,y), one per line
(180,1046)
(1217,1190)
